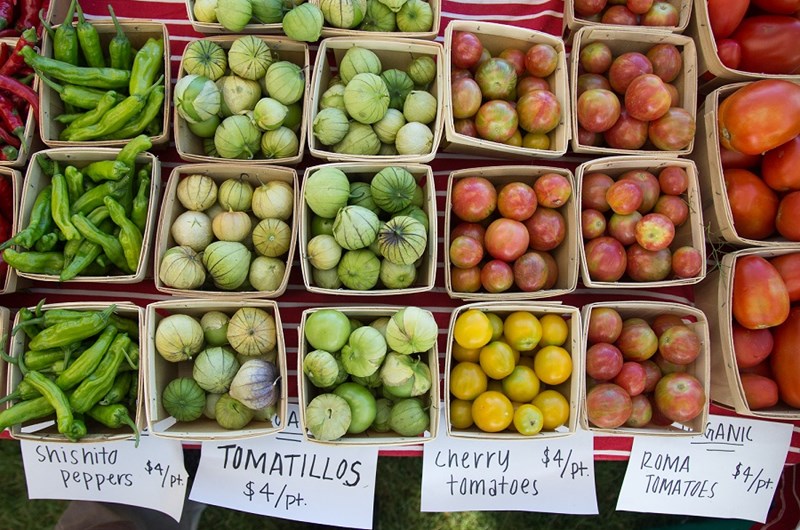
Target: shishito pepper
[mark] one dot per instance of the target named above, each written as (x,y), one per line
(47,242)
(92,116)
(80,96)
(98,217)
(120,51)
(147,63)
(114,119)
(89,40)
(65,333)
(140,123)
(94,197)
(106,78)
(114,417)
(119,390)
(65,41)
(111,246)
(41,222)
(129,235)
(32,409)
(88,361)
(59,401)
(34,262)
(140,202)
(106,170)
(59,204)
(128,154)
(52,317)
(74,182)
(95,386)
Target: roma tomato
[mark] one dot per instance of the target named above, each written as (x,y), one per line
(760,116)
(730,53)
(753,204)
(784,359)
(736,160)
(780,166)
(726,15)
(779,7)
(760,297)
(788,215)
(759,391)
(788,266)
(769,44)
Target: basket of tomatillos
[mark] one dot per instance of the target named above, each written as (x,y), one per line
(226,231)
(218,368)
(86,215)
(241,98)
(78,364)
(368,376)
(96,88)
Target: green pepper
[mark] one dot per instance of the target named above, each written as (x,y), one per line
(74,183)
(94,197)
(48,166)
(41,222)
(111,246)
(65,333)
(79,429)
(119,49)
(114,417)
(34,262)
(25,316)
(41,359)
(65,41)
(57,399)
(106,170)
(52,317)
(92,116)
(119,390)
(140,123)
(147,63)
(95,386)
(46,243)
(25,411)
(88,361)
(87,76)
(129,235)
(23,392)
(89,40)
(132,357)
(85,255)
(98,217)
(141,202)
(59,203)
(128,154)
(66,119)
(114,119)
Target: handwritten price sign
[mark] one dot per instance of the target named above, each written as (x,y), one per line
(729,472)
(151,475)
(285,476)
(538,475)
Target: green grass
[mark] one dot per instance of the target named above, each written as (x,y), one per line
(397,502)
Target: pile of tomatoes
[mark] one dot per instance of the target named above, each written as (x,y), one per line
(510,372)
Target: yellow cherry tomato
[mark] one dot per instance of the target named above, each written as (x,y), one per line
(553,365)
(497,359)
(460,353)
(554,330)
(467,381)
(528,420)
(521,384)
(522,330)
(554,407)
(472,329)
(492,411)
(461,414)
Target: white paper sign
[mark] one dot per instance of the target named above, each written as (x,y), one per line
(553,475)
(288,477)
(730,472)
(151,475)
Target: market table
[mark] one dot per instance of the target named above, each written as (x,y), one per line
(543,15)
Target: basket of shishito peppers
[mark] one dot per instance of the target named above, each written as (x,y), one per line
(102,82)
(77,364)
(86,214)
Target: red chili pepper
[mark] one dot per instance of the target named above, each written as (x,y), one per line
(5,52)
(9,33)
(6,197)
(16,61)
(9,84)
(6,13)
(28,14)
(9,152)
(9,138)
(11,118)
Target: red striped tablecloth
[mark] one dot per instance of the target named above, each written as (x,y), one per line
(543,15)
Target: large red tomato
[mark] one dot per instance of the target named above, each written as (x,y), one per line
(784,359)
(779,168)
(760,297)
(760,116)
(725,15)
(769,44)
(506,239)
(779,7)
(788,266)
(466,49)
(753,204)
